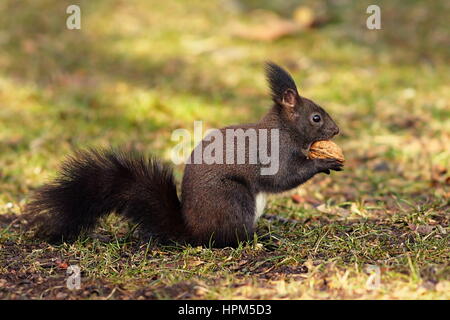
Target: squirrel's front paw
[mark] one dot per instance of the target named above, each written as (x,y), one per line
(325,165)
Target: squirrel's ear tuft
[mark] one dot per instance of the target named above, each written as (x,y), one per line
(280,82)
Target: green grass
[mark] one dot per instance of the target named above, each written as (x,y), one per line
(138,70)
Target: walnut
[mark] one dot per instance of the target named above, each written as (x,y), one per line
(326,149)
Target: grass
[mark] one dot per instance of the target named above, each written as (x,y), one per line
(138,70)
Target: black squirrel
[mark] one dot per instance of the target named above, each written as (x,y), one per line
(219,204)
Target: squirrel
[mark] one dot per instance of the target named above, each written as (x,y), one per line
(220,203)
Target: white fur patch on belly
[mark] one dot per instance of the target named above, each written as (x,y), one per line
(260,204)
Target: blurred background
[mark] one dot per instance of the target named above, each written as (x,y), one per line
(139,69)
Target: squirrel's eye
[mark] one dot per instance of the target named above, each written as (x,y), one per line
(316,118)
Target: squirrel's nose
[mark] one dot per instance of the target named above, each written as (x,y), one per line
(336,131)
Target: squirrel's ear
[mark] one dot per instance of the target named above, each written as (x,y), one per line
(289,98)
(282,86)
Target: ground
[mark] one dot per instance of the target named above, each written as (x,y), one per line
(138,70)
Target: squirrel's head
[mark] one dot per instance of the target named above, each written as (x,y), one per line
(310,122)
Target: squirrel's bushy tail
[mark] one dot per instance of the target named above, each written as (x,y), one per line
(94,183)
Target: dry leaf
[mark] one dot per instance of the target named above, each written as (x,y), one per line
(304,16)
